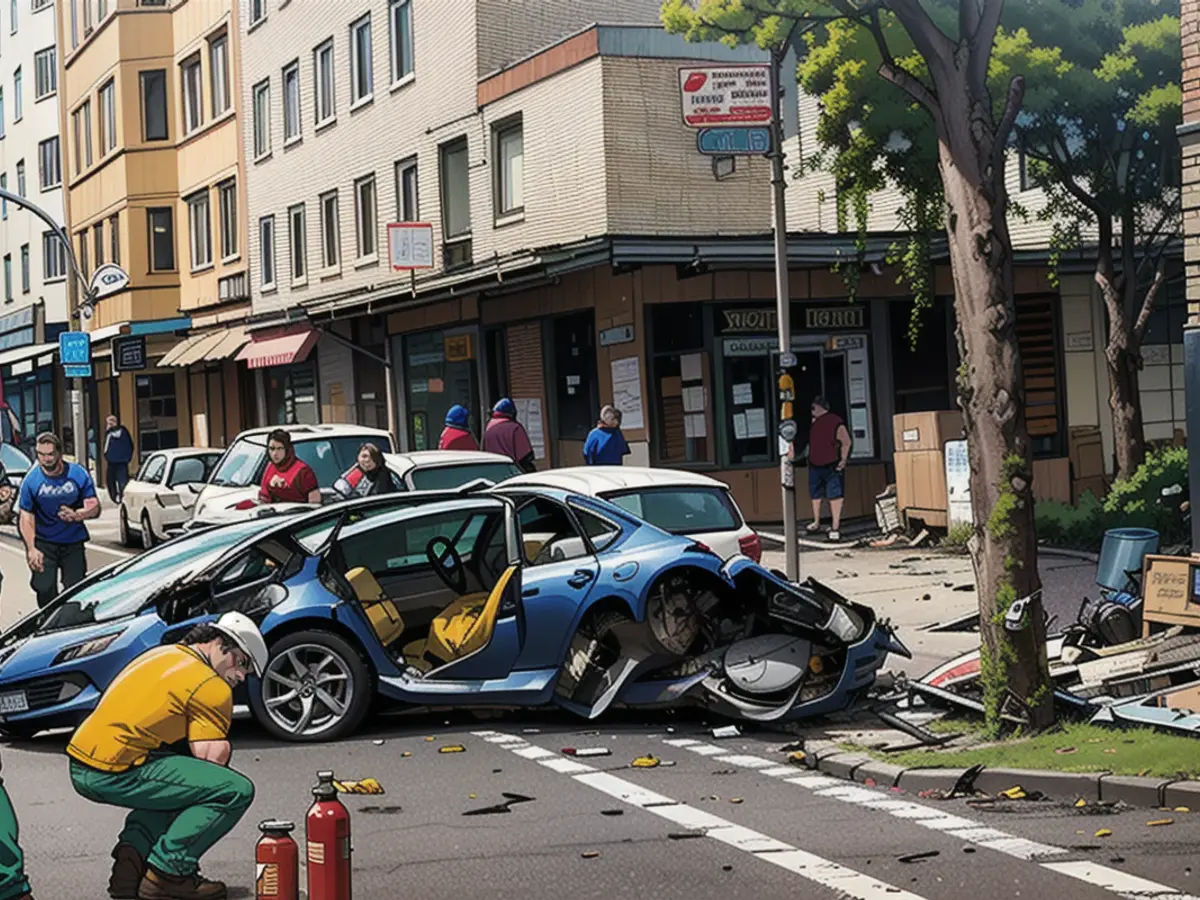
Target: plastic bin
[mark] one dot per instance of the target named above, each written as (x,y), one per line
(1122,552)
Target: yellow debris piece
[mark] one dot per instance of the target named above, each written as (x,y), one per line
(1158,822)
(798,757)
(1080,803)
(452,748)
(470,796)
(406,753)
(365,786)
(589,854)
(1182,809)
(645,762)
(1103,832)
(430,740)
(1014,793)
(735,799)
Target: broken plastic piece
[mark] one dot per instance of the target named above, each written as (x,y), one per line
(377,743)
(1181,809)
(587,751)
(430,739)
(1104,832)
(1063,751)
(736,800)
(798,757)
(1014,793)
(406,753)
(646,762)
(590,854)
(1080,803)
(1158,822)
(612,812)
(727,731)
(452,748)
(917,857)
(365,786)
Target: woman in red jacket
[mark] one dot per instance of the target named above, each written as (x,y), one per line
(456,435)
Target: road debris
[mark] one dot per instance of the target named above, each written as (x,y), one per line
(1157,822)
(736,800)
(792,747)
(510,800)
(531,731)
(918,857)
(1103,833)
(725,772)
(381,810)
(968,849)
(430,739)
(405,754)
(452,748)
(726,731)
(378,743)
(1014,793)
(1065,751)
(587,751)
(612,812)
(1080,803)
(590,854)
(797,758)
(920,538)
(729,868)
(365,786)
(646,762)
(1181,809)
(684,835)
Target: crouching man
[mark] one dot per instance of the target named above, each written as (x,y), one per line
(180,805)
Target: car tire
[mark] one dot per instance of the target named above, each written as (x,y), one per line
(148,538)
(124,536)
(345,657)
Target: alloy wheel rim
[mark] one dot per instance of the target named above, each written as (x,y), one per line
(308,689)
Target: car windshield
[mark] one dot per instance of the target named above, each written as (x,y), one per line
(242,465)
(14,460)
(441,478)
(680,510)
(245,462)
(123,591)
(191,470)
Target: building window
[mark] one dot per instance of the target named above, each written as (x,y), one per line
(266,247)
(18,110)
(162,238)
(291,102)
(114,236)
(45,73)
(218,68)
(74,23)
(83,254)
(25,276)
(193,95)
(98,242)
(79,133)
(298,242)
(1023,180)
(680,378)
(200,230)
(4,203)
(154,105)
(262,119)
(1,112)
(49,165)
(408,208)
(101,10)
(361,84)
(324,104)
(365,214)
(227,194)
(21,177)
(158,414)
(330,254)
(40,4)
(456,203)
(258,11)
(13,14)
(54,257)
(510,169)
(400,26)
(108,118)
(8,294)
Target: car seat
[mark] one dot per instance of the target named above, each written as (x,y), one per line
(380,609)
(462,628)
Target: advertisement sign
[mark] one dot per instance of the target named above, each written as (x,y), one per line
(410,245)
(726,95)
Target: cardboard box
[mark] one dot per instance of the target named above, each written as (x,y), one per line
(921,481)
(1168,588)
(926,430)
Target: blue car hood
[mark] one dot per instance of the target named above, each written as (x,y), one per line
(32,656)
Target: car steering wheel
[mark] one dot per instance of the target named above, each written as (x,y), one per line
(448,564)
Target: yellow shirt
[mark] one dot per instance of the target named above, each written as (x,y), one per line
(165,695)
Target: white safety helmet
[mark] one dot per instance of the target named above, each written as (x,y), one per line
(243,632)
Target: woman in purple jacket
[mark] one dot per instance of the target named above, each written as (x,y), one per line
(506,436)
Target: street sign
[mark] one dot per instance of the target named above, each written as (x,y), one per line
(410,245)
(82,371)
(75,349)
(129,353)
(107,280)
(726,95)
(734,141)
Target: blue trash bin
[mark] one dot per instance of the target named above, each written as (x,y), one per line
(1123,551)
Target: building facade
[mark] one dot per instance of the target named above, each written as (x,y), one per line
(33,309)
(153,173)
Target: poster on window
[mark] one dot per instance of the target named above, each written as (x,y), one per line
(529,414)
(627,392)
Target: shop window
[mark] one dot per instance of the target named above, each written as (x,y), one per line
(292,395)
(576,405)
(440,370)
(158,422)
(921,371)
(680,384)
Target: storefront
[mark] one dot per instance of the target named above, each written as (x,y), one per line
(440,369)
(287,386)
(27,373)
(216,392)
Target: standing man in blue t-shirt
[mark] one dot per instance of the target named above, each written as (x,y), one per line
(605,445)
(56,499)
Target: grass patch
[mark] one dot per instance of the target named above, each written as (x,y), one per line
(1134,751)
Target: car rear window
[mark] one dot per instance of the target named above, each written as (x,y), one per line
(680,510)
(441,478)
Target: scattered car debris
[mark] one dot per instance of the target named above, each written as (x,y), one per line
(646,762)
(918,857)
(736,800)
(1080,803)
(843,554)
(531,731)
(587,751)
(452,748)
(1014,793)
(365,786)
(1104,832)
(1065,751)
(510,800)
(726,731)
(725,772)
(1157,822)
(377,743)
(729,868)
(920,538)
(381,810)
(590,854)
(684,835)
(612,812)
(794,745)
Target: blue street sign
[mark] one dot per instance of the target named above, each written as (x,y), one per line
(734,141)
(83,371)
(75,349)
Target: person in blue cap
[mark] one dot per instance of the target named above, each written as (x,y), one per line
(457,435)
(508,437)
(605,444)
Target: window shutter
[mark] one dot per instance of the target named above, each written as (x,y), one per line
(1038,342)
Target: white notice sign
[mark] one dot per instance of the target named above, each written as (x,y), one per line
(410,245)
(529,414)
(627,392)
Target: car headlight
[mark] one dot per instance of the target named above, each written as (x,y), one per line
(87,648)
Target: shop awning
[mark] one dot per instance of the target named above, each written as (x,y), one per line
(20,354)
(279,351)
(210,346)
(172,356)
(198,351)
(232,341)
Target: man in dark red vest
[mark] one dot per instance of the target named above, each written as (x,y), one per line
(829,447)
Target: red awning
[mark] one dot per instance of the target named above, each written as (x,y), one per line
(279,351)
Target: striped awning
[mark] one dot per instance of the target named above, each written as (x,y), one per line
(211,346)
(279,351)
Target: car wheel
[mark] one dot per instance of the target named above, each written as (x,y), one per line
(317,687)
(123,528)
(594,648)
(148,538)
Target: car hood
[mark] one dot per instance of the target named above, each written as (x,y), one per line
(33,655)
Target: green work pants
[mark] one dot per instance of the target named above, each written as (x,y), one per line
(12,861)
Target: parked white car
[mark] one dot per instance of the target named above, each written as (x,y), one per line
(676,501)
(445,470)
(158,500)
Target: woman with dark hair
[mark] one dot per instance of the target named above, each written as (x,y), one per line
(287,478)
(368,477)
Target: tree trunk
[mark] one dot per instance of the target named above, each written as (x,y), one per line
(1004,552)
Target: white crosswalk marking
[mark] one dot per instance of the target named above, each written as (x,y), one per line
(1121,883)
(844,882)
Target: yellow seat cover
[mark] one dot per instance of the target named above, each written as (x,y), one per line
(382,612)
(466,625)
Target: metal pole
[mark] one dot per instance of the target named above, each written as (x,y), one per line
(783,304)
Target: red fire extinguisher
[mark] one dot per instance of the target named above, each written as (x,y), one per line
(327,830)
(278,860)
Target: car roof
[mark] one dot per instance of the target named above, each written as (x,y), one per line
(429,459)
(181,452)
(301,433)
(595,480)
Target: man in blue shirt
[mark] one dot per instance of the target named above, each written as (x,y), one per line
(56,499)
(605,445)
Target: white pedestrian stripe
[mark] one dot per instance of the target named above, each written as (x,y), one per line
(844,882)
(1121,883)
(746,762)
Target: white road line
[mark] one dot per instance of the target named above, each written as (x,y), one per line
(746,762)
(1121,883)
(845,883)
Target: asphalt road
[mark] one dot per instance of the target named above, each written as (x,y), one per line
(729,816)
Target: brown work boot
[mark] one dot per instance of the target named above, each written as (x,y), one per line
(158,885)
(127,872)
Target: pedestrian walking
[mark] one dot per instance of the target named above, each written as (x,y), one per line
(506,436)
(457,435)
(605,445)
(288,479)
(180,803)
(368,477)
(118,452)
(829,446)
(56,499)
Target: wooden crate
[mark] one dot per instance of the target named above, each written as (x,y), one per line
(921,482)
(926,430)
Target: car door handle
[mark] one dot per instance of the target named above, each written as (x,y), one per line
(531,592)
(581,577)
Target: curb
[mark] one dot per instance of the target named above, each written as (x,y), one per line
(1151,793)
(1084,555)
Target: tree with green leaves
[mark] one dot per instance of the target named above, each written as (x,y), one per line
(1098,130)
(927,64)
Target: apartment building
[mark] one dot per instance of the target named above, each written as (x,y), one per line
(33,309)
(153,174)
